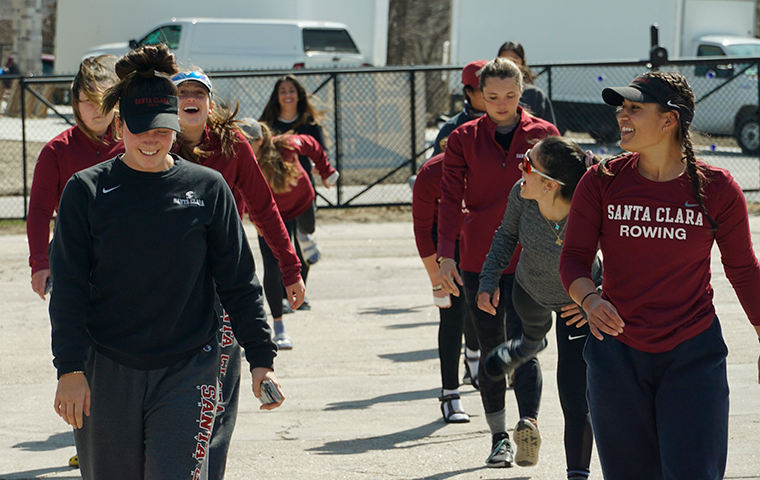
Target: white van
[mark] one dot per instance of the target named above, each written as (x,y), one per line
(248,44)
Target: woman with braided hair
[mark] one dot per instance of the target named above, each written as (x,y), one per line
(657,386)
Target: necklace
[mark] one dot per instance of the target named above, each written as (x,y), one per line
(556,229)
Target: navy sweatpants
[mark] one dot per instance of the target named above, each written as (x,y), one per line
(149,424)
(660,416)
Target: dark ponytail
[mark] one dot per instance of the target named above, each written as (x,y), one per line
(142,72)
(564,160)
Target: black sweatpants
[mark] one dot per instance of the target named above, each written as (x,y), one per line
(229,394)
(493,331)
(149,424)
(274,290)
(571,375)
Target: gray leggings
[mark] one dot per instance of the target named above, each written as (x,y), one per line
(571,375)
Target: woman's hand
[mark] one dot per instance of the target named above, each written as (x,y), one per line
(573,313)
(39,280)
(259,374)
(441,299)
(448,274)
(489,303)
(72,398)
(296,294)
(603,317)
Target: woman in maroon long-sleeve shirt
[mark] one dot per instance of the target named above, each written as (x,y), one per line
(480,165)
(210,136)
(89,142)
(657,386)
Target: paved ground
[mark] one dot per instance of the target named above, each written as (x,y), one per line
(361,383)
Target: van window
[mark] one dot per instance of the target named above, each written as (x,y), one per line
(168,34)
(328,40)
(709,51)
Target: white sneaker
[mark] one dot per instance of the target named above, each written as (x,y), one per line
(309,248)
(528,442)
(283,341)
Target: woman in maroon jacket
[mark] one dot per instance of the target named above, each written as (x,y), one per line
(89,142)
(480,165)
(657,386)
(278,158)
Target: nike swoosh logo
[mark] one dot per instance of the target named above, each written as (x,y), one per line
(571,338)
(687,204)
(109,190)
(670,104)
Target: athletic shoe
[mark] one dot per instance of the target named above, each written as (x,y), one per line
(283,341)
(74,461)
(286,307)
(504,359)
(309,248)
(528,442)
(305,306)
(502,452)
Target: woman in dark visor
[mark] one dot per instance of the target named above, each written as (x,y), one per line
(657,386)
(142,244)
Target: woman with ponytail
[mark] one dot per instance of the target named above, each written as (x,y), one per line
(278,158)
(89,142)
(211,136)
(657,386)
(145,244)
(536,217)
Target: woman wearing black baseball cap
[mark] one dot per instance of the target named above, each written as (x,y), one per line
(143,243)
(657,386)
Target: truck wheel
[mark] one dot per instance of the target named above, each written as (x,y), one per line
(748,134)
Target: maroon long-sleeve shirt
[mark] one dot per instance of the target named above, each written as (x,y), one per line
(60,158)
(656,243)
(252,194)
(296,201)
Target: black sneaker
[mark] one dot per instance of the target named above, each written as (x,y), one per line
(504,359)
(502,452)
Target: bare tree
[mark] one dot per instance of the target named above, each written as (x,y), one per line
(417,30)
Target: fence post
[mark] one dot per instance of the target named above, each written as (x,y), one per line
(413,118)
(338,146)
(22,90)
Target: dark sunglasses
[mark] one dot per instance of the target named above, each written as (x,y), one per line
(528,168)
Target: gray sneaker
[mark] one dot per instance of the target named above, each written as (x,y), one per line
(528,442)
(502,453)
(283,341)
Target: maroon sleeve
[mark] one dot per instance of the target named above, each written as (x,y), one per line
(263,212)
(737,254)
(309,146)
(43,200)
(582,232)
(452,193)
(425,195)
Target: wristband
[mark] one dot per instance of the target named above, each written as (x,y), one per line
(69,373)
(437,288)
(587,295)
(442,302)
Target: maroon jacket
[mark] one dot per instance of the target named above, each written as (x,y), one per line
(476,170)
(62,157)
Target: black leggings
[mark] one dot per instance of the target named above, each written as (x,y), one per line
(274,291)
(493,331)
(571,374)
(455,320)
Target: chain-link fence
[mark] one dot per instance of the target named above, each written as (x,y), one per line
(380,123)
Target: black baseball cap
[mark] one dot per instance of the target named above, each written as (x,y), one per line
(646,89)
(149,112)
